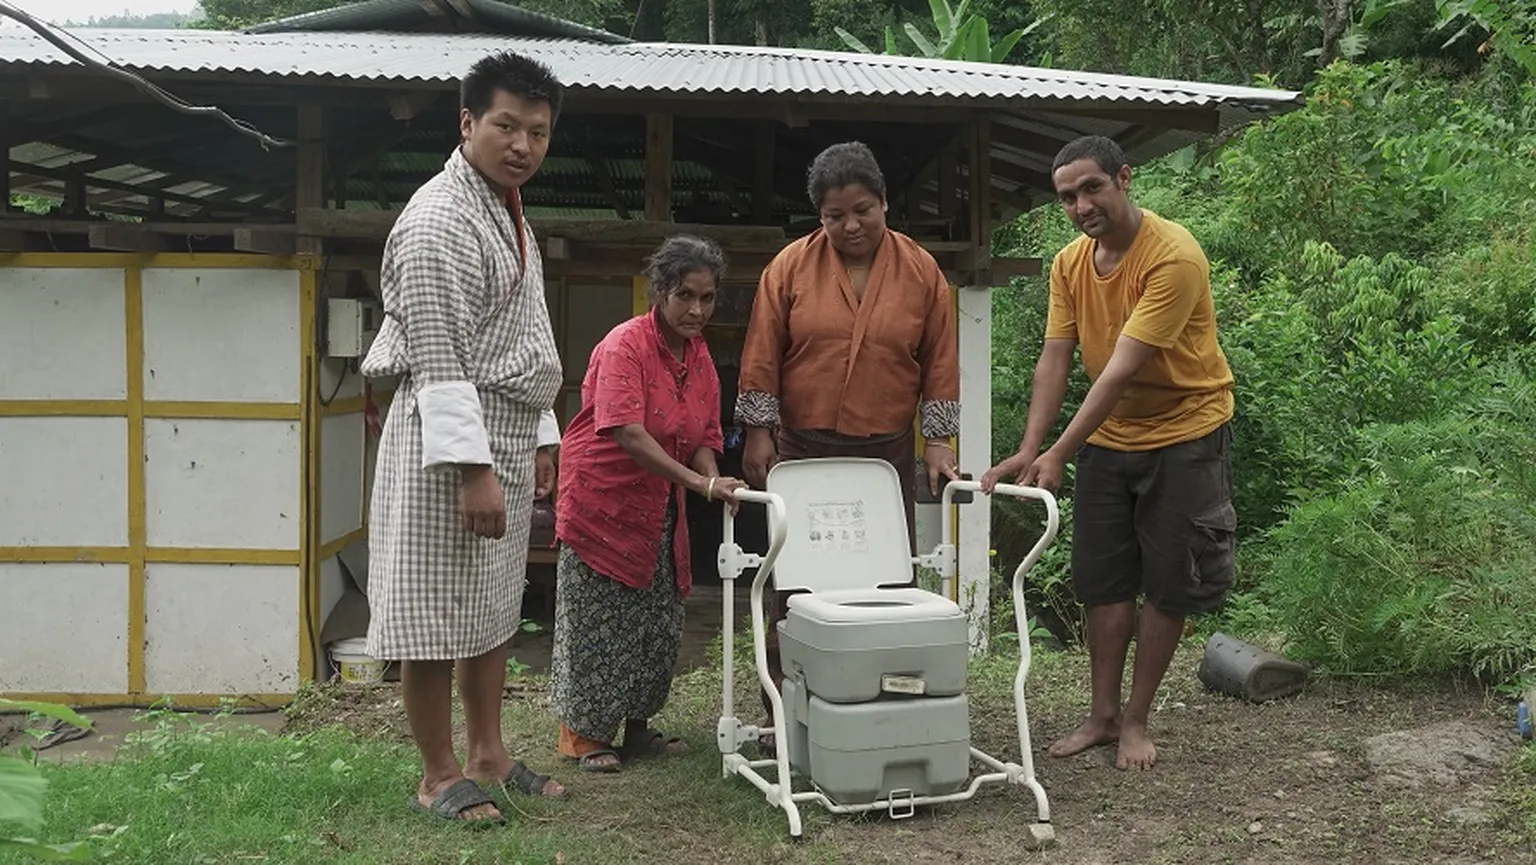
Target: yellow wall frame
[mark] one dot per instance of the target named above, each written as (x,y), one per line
(138,554)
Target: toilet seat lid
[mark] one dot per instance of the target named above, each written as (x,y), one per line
(874,605)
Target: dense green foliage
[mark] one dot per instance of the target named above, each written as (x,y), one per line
(1375,275)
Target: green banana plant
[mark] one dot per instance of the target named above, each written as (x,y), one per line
(961,35)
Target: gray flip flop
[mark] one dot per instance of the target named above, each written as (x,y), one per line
(451,804)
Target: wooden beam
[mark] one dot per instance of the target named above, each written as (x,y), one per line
(6,131)
(69,178)
(1008,168)
(1205,121)
(1026,140)
(557,249)
(124,237)
(1135,136)
(967,262)
(375,225)
(73,122)
(264,240)
(74,193)
(1013,200)
(979,225)
(658,168)
(309,182)
(14,240)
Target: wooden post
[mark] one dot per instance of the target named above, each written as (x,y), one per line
(949,175)
(376,173)
(5,158)
(658,168)
(764,151)
(980,201)
(75,195)
(309,182)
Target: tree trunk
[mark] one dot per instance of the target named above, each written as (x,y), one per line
(1337,14)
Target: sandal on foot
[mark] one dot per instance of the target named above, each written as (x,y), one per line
(528,782)
(651,743)
(590,761)
(451,804)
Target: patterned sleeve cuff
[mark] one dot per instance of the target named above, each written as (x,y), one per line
(757,409)
(941,418)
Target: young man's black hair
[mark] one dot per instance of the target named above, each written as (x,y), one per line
(514,73)
(1100,149)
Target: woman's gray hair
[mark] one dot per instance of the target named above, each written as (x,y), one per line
(840,165)
(678,256)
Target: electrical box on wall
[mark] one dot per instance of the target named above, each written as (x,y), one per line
(351,325)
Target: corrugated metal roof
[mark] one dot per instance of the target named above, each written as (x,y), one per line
(485,16)
(663,68)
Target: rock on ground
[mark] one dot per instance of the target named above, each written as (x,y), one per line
(1444,755)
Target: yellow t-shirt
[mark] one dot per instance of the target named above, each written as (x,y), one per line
(1160,294)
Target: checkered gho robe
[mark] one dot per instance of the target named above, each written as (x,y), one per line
(468,330)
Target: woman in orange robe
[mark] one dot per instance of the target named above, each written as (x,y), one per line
(852,335)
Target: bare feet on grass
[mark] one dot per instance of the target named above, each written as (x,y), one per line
(1136,750)
(1093,733)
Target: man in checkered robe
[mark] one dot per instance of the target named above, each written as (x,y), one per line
(467,445)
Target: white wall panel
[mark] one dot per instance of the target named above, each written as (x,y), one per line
(63,481)
(62,333)
(974,556)
(221,335)
(221,629)
(341,475)
(222,483)
(64,628)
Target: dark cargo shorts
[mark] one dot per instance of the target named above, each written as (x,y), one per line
(1155,523)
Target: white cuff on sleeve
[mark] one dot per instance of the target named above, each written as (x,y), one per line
(452,425)
(549,429)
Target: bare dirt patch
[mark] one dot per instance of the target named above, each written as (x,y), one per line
(1339,774)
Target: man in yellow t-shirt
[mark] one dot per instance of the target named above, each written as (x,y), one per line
(1152,508)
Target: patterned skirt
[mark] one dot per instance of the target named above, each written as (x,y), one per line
(436,591)
(615,646)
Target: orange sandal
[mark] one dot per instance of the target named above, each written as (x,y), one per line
(589,753)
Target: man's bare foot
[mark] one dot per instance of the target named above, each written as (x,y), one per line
(427,794)
(1093,733)
(1136,750)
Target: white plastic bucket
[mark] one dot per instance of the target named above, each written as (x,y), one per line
(353,664)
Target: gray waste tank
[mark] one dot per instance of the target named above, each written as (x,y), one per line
(851,662)
(857,753)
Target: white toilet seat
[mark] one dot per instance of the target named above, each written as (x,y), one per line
(873,605)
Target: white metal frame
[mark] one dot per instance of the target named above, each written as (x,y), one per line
(731,733)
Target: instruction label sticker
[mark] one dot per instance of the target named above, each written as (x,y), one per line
(837,527)
(893,684)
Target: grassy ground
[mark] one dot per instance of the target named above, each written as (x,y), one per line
(1237,783)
